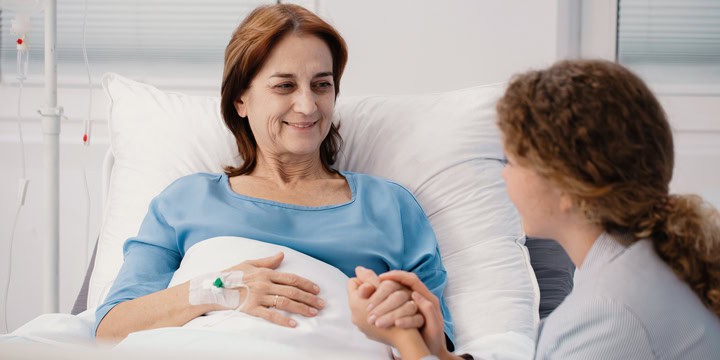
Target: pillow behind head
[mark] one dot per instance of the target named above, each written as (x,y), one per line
(444,147)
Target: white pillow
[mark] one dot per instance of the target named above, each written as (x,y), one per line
(155,138)
(331,332)
(440,146)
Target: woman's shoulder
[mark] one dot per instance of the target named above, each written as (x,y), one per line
(646,284)
(638,292)
(605,323)
(635,278)
(586,326)
(193,183)
(382,189)
(629,281)
(638,273)
(376,183)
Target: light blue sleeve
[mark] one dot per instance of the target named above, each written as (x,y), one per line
(422,256)
(150,260)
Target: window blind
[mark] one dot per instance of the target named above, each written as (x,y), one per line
(143,39)
(671,42)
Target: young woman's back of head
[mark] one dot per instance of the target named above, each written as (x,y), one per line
(597,131)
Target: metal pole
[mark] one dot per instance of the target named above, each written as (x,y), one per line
(51,149)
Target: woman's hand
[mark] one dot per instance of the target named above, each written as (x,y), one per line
(433,332)
(389,302)
(408,341)
(359,309)
(273,289)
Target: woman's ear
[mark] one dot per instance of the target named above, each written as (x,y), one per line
(240,107)
(566,202)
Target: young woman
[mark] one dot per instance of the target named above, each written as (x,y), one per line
(590,158)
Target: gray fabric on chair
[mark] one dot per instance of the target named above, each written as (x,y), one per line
(81,300)
(554,272)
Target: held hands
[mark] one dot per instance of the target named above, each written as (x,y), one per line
(376,307)
(359,308)
(433,332)
(393,301)
(389,302)
(270,289)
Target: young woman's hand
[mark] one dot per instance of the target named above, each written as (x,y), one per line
(409,342)
(433,332)
(358,307)
(270,290)
(389,302)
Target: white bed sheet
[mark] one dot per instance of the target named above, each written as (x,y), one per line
(64,336)
(56,329)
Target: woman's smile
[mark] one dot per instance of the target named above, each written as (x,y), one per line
(301,125)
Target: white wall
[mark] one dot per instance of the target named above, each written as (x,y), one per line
(395,47)
(428,46)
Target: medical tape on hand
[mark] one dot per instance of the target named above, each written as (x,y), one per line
(218,288)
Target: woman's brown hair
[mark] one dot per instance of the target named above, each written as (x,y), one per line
(596,130)
(245,55)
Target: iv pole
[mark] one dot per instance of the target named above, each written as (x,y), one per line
(51,114)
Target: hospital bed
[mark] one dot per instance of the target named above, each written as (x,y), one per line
(443,147)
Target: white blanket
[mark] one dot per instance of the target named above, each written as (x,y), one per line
(329,334)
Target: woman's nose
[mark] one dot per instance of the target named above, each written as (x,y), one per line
(305,102)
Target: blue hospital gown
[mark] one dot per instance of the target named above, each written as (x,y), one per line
(381,228)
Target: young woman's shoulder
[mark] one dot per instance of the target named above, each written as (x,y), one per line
(636,301)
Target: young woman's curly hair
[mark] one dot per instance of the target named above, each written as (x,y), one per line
(596,130)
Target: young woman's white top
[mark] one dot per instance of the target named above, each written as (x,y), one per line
(628,304)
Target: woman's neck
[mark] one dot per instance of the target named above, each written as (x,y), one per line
(577,239)
(287,171)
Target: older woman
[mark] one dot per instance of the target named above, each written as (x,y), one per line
(282,75)
(590,157)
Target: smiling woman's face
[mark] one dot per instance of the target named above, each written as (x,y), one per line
(290,102)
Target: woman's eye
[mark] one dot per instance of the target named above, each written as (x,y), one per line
(285,86)
(323,85)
